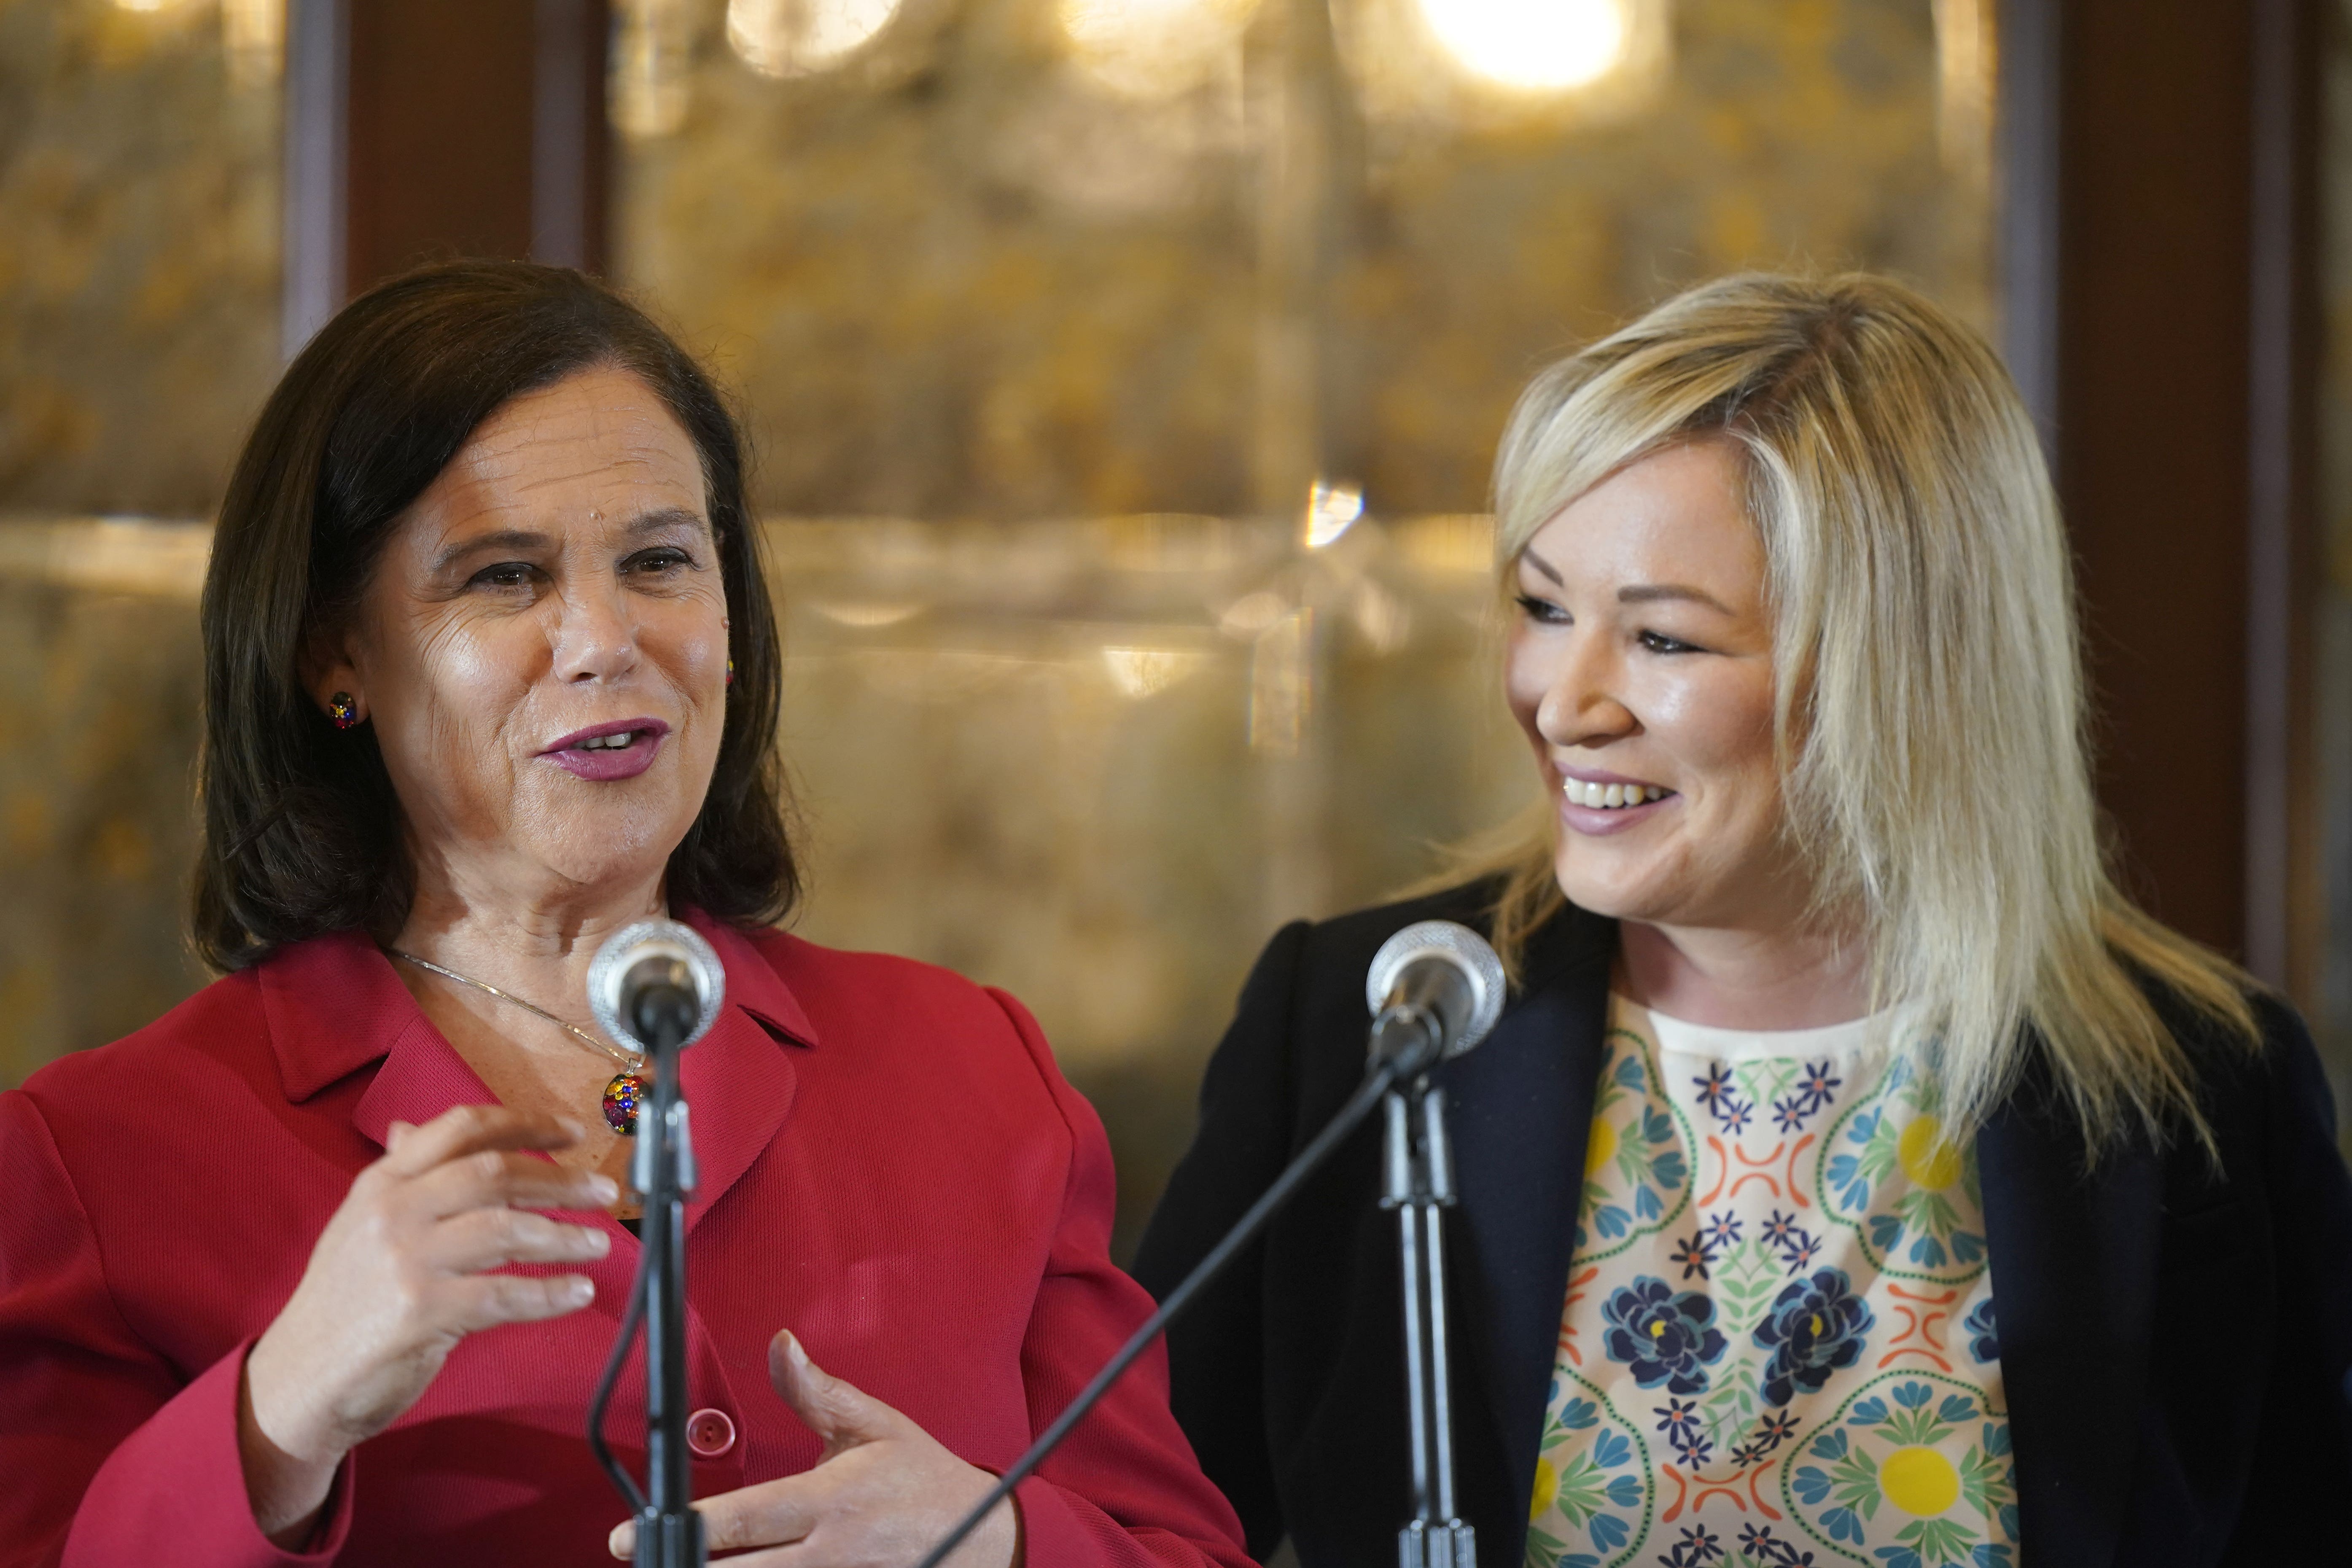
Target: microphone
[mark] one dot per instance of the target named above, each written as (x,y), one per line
(1435,989)
(656,984)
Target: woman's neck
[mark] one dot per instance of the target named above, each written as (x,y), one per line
(537,943)
(1743,980)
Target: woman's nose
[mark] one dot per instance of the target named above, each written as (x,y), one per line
(596,639)
(1581,705)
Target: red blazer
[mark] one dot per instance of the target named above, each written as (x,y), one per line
(891,1167)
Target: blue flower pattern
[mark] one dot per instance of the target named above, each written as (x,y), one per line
(1815,1327)
(1984,1343)
(1663,1336)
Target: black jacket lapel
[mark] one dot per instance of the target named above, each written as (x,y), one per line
(2074,1262)
(1521,1104)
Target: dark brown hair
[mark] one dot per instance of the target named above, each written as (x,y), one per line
(301,831)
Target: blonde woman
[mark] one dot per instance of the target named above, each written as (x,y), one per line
(1856,1175)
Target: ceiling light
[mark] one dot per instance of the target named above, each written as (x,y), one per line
(1537,46)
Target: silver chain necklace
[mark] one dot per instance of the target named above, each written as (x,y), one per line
(631,1061)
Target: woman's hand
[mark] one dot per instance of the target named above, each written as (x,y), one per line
(396,1280)
(881,1497)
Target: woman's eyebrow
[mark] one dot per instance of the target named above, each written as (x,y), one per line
(667,517)
(527,539)
(1544,566)
(503,538)
(1651,593)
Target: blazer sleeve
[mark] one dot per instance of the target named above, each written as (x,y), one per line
(113,1457)
(1217,1352)
(2301,1466)
(1123,1491)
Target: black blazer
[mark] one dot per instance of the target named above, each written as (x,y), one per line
(2174,1341)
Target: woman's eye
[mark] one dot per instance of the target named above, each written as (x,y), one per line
(1544,610)
(656,562)
(505,575)
(1658,642)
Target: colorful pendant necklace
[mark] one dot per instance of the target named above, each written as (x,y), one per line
(622,1095)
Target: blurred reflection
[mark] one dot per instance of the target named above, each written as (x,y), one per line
(1140,672)
(798,37)
(1471,63)
(1154,48)
(1557,45)
(652,65)
(1964,58)
(110,555)
(1331,510)
(253,32)
(1282,683)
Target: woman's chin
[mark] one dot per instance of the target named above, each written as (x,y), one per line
(615,854)
(1616,896)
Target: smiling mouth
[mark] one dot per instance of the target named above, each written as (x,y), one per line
(616,736)
(1610,797)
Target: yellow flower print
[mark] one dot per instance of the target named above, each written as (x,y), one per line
(1547,1489)
(1926,1157)
(1919,1480)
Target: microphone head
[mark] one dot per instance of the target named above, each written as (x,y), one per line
(651,953)
(1443,941)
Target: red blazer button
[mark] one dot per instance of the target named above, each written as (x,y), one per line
(710,1433)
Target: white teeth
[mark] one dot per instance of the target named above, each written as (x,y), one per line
(1608,796)
(609,742)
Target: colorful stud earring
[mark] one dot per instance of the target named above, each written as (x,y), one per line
(730,672)
(343,712)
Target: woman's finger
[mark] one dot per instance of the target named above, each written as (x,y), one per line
(842,1416)
(772,1513)
(478,1302)
(488,1238)
(490,1178)
(464,1128)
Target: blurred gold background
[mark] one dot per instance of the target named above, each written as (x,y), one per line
(1123,377)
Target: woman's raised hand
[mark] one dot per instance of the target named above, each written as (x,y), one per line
(397,1278)
(883,1494)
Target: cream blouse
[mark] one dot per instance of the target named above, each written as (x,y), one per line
(1778,1346)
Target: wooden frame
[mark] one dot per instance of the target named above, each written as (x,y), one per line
(2158,193)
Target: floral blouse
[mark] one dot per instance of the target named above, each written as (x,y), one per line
(1777,1346)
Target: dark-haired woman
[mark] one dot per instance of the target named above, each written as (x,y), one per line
(321,1265)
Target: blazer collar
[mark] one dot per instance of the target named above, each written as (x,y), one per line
(2073,1252)
(334,1007)
(1521,1104)
(739,1078)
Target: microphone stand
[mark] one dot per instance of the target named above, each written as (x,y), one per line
(670,1532)
(1406,1041)
(1304,1164)
(1419,1186)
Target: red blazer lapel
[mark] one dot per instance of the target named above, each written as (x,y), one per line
(738,1080)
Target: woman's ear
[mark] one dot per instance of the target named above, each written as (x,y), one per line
(330,677)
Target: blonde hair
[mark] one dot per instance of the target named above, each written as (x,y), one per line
(1930,711)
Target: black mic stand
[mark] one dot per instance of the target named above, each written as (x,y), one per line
(1419,1186)
(670,1532)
